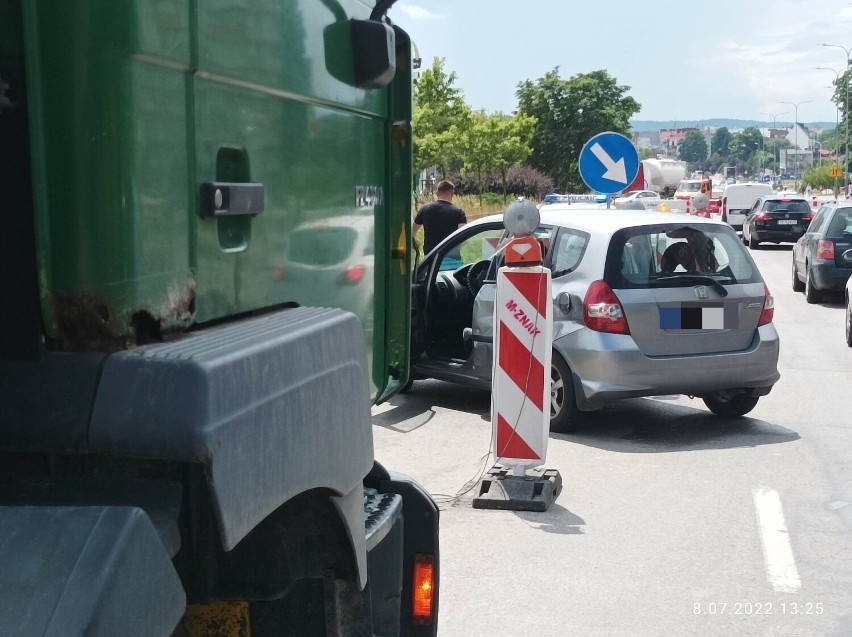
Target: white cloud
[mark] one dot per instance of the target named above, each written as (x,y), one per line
(781,67)
(416,12)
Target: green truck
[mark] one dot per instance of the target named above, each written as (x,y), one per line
(205,275)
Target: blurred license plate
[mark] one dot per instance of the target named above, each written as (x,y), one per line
(786,222)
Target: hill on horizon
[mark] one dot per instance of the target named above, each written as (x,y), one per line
(638,125)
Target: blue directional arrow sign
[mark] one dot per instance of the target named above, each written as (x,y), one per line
(608,162)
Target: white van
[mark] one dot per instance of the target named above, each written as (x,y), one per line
(737,200)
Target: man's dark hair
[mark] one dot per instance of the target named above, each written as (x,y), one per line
(446,186)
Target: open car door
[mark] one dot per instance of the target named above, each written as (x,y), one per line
(444,291)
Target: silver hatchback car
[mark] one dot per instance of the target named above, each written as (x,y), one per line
(645,304)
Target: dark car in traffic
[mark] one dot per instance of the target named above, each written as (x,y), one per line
(822,257)
(776,219)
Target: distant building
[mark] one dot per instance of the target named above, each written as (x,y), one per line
(647,139)
(799,135)
(671,138)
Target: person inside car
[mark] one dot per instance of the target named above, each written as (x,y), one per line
(695,255)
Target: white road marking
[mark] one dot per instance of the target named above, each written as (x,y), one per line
(777,552)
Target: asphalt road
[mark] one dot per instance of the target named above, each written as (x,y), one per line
(672,521)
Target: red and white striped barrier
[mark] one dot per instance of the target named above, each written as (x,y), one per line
(523,336)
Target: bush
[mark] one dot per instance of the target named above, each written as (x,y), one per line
(521,181)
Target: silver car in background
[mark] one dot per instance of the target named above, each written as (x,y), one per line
(645,304)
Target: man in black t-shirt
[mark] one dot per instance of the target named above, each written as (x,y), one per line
(438,219)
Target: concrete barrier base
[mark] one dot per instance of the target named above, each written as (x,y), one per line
(535,491)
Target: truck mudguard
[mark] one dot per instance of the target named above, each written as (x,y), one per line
(256,403)
(93,571)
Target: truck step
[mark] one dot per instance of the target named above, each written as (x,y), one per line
(381,511)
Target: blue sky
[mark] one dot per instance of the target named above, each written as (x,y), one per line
(728,58)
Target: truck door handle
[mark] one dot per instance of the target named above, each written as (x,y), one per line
(224,199)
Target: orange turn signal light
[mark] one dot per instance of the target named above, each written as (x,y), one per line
(424,589)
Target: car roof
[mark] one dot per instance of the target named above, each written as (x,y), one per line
(606,221)
(782,196)
(745,185)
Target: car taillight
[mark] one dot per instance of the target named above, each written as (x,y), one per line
(424,589)
(808,216)
(602,311)
(768,311)
(762,216)
(353,275)
(825,249)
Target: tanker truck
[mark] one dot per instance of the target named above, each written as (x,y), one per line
(205,269)
(663,175)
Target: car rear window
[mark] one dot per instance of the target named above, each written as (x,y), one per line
(792,205)
(841,225)
(656,256)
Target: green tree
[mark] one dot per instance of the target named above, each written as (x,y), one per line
(843,99)
(440,118)
(568,113)
(496,142)
(817,177)
(720,141)
(763,160)
(693,148)
(744,145)
(833,140)
(647,153)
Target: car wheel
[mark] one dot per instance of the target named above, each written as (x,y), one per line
(849,321)
(564,413)
(812,295)
(732,406)
(798,286)
(752,242)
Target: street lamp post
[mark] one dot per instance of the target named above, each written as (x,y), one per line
(796,106)
(845,109)
(774,116)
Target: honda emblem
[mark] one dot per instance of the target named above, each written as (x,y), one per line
(700,291)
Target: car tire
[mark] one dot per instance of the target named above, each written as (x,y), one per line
(733,407)
(849,321)
(798,286)
(753,243)
(564,413)
(812,295)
